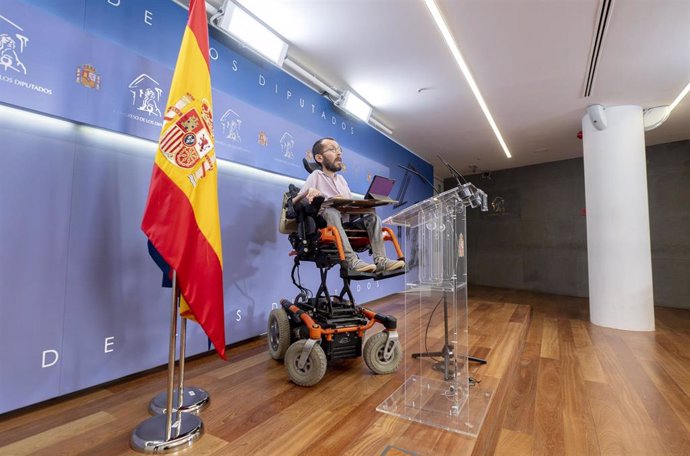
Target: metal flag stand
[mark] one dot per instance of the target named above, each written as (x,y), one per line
(193,399)
(160,434)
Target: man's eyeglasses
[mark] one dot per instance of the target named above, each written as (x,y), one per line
(337,150)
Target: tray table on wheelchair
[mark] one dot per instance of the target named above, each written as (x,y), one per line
(354,205)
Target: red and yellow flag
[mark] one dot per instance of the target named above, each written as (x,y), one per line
(181,217)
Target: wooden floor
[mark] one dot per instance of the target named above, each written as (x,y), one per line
(587,390)
(562,386)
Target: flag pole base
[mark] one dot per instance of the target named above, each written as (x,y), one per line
(194,401)
(149,436)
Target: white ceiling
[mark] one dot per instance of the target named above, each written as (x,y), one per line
(528,57)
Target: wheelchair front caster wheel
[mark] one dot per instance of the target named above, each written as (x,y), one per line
(314,369)
(278,333)
(377,358)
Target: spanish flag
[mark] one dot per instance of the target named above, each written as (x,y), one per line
(181,217)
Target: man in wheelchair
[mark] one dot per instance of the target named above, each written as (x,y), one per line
(325,182)
(315,329)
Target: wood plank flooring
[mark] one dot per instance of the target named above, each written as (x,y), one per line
(587,390)
(562,387)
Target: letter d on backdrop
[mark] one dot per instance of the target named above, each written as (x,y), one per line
(47,361)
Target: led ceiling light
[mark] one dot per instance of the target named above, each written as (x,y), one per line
(450,41)
(680,97)
(354,105)
(244,27)
(654,117)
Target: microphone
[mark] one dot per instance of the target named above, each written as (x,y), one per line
(453,171)
(471,195)
(417,173)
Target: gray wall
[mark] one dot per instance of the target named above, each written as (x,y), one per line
(534,236)
(668,177)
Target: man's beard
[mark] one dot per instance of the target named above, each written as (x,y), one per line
(332,166)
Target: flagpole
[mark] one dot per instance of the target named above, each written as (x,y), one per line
(171,356)
(188,399)
(158,434)
(180,370)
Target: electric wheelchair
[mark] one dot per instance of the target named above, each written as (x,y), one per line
(315,329)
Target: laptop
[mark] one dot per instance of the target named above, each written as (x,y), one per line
(379,189)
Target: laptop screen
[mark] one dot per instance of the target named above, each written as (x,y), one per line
(380,186)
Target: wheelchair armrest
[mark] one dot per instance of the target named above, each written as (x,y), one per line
(291,215)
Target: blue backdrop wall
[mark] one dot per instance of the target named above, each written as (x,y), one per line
(83,84)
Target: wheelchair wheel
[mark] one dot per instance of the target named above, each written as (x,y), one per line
(314,369)
(278,333)
(375,357)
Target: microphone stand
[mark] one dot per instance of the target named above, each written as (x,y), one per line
(421,176)
(402,191)
(410,169)
(447,351)
(453,171)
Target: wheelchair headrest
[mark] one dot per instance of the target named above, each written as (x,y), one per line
(310,166)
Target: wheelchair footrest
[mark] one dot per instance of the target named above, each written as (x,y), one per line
(389,274)
(354,275)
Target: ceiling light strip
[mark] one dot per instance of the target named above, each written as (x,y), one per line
(680,97)
(450,41)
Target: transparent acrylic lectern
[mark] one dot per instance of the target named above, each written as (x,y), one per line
(433,330)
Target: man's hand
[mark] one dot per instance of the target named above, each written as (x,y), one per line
(311,194)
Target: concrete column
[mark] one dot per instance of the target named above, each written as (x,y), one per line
(618,246)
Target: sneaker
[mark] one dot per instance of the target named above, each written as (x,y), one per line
(385,264)
(358,265)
